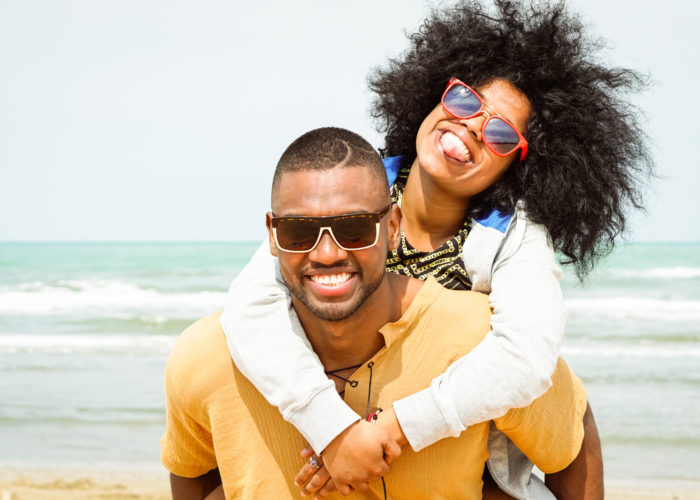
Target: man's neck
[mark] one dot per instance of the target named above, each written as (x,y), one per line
(431,215)
(352,341)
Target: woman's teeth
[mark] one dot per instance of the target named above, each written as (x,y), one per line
(330,279)
(453,147)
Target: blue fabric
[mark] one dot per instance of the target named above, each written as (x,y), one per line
(392,166)
(496,220)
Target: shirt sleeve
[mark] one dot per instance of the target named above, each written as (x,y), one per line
(512,366)
(269,347)
(187,448)
(550,430)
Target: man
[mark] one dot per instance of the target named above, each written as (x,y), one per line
(379,336)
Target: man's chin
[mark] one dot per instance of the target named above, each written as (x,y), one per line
(328,308)
(332,312)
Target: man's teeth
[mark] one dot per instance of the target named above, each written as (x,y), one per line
(330,279)
(453,147)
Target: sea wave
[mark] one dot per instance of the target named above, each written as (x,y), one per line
(656,273)
(631,351)
(637,307)
(105,296)
(71,344)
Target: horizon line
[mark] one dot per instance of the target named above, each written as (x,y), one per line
(130,241)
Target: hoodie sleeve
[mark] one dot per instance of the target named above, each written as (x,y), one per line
(269,347)
(514,363)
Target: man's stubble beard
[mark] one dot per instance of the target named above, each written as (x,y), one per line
(333,312)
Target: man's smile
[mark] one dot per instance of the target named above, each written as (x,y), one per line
(334,284)
(330,279)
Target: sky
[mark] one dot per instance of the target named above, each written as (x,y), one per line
(163,120)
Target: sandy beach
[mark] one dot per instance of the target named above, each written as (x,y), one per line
(36,484)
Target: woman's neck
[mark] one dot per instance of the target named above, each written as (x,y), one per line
(431,214)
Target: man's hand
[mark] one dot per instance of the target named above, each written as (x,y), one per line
(358,455)
(312,481)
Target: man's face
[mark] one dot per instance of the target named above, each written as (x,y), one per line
(331,282)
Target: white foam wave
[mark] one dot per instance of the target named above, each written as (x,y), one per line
(69,344)
(105,297)
(631,351)
(657,273)
(636,308)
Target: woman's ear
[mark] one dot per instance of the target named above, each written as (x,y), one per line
(394,218)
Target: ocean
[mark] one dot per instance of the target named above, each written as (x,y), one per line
(86,328)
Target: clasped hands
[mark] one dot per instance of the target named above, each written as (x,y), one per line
(362,453)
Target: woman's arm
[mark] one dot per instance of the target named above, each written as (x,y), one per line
(513,364)
(269,347)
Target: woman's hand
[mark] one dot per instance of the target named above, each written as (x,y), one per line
(358,455)
(387,420)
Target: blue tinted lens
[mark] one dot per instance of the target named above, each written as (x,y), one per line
(461,102)
(501,136)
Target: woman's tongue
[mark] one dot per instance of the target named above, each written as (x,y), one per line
(453,147)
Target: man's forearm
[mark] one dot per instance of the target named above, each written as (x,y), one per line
(583,478)
(188,488)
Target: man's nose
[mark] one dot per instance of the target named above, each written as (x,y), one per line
(327,252)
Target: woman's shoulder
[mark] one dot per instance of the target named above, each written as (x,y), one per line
(498,236)
(507,226)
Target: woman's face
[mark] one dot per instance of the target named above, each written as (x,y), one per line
(451,150)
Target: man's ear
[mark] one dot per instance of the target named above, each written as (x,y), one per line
(270,234)
(394,235)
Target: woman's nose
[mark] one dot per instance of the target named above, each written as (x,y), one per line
(475,124)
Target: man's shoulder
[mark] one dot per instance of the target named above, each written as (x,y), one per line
(466,310)
(201,336)
(199,358)
(457,311)
(443,301)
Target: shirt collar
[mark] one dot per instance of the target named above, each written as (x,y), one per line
(425,297)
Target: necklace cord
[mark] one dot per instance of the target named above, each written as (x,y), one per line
(334,373)
(354,383)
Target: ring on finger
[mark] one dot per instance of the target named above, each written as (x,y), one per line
(315,462)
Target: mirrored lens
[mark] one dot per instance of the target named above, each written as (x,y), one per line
(296,235)
(355,231)
(462,102)
(501,136)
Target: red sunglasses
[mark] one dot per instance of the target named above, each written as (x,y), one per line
(499,135)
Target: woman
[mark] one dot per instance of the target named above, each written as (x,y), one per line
(531,150)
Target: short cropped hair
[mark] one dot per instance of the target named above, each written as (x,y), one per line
(326,148)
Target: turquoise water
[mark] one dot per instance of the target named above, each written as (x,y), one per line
(85,330)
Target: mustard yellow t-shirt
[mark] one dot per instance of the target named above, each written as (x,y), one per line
(216,417)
